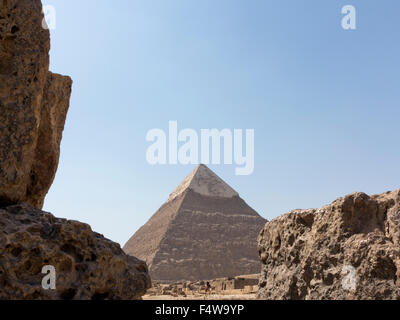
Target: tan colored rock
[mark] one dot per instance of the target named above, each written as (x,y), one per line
(312,254)
(33,105)
(53,115)
(88,266)
(204,231)
(33,108)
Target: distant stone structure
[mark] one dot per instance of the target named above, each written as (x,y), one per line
(204,231)
(240,285)
(237,283)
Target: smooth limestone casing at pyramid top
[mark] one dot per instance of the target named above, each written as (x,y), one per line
(204,231)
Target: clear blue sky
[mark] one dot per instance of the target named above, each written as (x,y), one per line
(324,102)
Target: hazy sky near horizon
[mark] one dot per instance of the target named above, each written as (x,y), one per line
(324,102)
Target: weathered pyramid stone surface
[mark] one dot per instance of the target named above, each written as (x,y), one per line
(204,231)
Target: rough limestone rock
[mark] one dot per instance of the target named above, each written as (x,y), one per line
(53,115)
(88,266)
(204,231)
(33,105)
(33,109)
(347,250)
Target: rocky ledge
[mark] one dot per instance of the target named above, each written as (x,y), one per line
(88,266)
(347,250)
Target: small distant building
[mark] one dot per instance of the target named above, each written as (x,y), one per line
(227,284)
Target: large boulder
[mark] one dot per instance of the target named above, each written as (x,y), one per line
(33,109)
(347,250)
(33,105)
(88,266)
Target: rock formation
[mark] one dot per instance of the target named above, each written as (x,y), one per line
(87,265)
(347,250)
(204,231)
(33,108)
(33,104)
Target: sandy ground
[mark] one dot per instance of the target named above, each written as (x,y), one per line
(204,297)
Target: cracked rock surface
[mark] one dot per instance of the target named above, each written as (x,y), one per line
(88,266)
(33,105)
(349,249)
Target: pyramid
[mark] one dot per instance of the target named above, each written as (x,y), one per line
(204,231)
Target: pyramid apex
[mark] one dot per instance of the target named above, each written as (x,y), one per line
(203,166)
(204,181)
